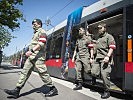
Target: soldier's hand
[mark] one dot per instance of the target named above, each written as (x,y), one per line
(28,53)
(106,59)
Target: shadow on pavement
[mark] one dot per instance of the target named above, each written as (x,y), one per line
(113,94)
(42,89)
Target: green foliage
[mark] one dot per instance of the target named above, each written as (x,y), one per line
(9,19)
(5,37)
(10,14)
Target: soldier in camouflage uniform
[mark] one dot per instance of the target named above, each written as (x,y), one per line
(82,48)
(105,44)
(35,60)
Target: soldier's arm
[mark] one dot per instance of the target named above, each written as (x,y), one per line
(110,52)
(41,42)
(91,53)
(91,47)
(75,51)
(112,46)
(74,54)
(37,47)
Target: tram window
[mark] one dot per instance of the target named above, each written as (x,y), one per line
(54,47)
(73,39)
(48,48)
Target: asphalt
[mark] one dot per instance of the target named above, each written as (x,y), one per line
(35,90)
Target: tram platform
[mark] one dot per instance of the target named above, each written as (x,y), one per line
(34,89)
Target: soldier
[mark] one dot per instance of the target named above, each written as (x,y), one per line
(36,57)
(82,48)
(105,44)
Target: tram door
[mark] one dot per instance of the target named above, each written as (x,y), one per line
(128,77)
(114,27)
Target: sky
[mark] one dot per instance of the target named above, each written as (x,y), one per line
(55,10)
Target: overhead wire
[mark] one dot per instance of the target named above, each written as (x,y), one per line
(61,9)
(48,21)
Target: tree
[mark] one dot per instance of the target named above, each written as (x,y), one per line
(9,20)
(5,37)
(10,14)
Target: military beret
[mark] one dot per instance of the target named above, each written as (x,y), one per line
(102,25)
(37,20)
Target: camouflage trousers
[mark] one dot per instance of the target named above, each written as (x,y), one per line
(82,64)
(103,69)
(41,69)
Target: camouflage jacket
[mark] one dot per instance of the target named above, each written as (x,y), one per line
(103,43)
(40,38)
(82,46)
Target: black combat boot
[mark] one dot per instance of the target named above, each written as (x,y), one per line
(78,86)
(105,95)
(53,91)
(15,92)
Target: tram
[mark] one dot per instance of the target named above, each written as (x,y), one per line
(118,15)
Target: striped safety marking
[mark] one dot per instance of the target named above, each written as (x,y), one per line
(129,50)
